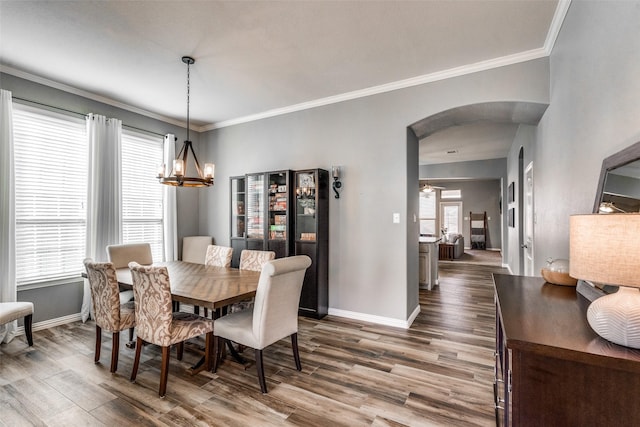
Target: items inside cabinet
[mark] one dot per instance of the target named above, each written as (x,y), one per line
(238,207)
(255,206)
(278,205)
(306,207)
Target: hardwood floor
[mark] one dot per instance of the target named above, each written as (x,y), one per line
(439,372)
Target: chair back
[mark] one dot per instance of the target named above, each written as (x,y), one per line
(275,311)
(194,248)
(105,295)
(152,296)
(254,260)
(218,256)
(121,255)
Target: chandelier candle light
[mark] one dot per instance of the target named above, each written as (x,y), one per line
(178,176)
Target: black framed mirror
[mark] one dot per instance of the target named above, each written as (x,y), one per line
(619,183)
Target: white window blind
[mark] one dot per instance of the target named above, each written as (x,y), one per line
(428,213)
(141,192)
(51,193)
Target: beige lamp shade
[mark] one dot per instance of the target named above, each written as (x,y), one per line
(605,249)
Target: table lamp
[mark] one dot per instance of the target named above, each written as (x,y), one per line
(606,249)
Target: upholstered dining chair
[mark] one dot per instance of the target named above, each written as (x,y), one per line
(251,260)
(194,248)
(274,315)
(109,313)
(10,311)
(121,255)
(219,256)
(157,324)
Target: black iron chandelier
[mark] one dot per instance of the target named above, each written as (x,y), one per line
(178,176)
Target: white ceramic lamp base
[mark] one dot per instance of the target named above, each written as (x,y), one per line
(616,317)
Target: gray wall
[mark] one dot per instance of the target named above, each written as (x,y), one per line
(413,226)
(594,112)
(369,264)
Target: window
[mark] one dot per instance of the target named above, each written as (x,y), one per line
(451,194)
(142,208)
(451,217)
(51,193)
(428,213)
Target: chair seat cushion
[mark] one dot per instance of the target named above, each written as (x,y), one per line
(10,311)
(127,315)
(237,327)
(188,325)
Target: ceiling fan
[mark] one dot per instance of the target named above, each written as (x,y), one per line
(428,188)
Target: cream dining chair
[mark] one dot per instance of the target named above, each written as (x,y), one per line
(274,315)
(109,313)
(194,248)
(219,256)
(157,324)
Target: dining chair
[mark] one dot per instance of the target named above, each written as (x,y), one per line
(121,255)
(109,313)
(251,260)
(274,314)
(219,256)
(158,324)
(10,311)
(194,248)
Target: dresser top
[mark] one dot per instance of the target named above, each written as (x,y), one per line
(551,320)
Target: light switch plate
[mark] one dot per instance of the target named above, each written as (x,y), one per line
(396,218)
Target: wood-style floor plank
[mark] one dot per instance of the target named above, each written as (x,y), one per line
(437,373)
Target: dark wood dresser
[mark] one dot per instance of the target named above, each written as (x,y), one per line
(551,368)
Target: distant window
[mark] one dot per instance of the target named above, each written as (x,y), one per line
(451,194)
(142,208)
(50,193)
(428,213)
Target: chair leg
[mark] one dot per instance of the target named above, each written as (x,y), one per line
(208,344)
(218,346)
(296,354)
(115,349)
(136,360)
(28,331)
(164,370)
(130,334)
(180,350)
(196,309)
(96,359)
(259,366)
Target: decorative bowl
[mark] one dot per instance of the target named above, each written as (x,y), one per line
(558,278)
(557,273)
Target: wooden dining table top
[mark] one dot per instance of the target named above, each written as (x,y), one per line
(203,285)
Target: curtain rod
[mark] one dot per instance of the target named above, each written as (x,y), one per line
(79,114)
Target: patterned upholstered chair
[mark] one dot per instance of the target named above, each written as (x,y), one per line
(254,260)
(157,324)
(274,315)
(251,260)
(109,313)
(219,256)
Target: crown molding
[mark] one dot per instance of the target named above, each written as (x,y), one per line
(545,51)
(90,95)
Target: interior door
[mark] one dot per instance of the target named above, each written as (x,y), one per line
(528,221)
(451,216)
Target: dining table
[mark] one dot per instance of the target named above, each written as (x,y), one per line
(202,285)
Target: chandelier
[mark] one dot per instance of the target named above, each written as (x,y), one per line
(178,176)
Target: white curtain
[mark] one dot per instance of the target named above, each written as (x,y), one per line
(104,195)
(170,206)
(8,289)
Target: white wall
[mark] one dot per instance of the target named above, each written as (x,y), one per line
(368,258)
(594,112)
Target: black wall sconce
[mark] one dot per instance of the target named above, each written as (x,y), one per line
(335,172)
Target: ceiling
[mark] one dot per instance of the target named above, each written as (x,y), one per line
(257,59)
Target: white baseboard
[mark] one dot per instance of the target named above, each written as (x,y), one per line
(46,324)
(387,321)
